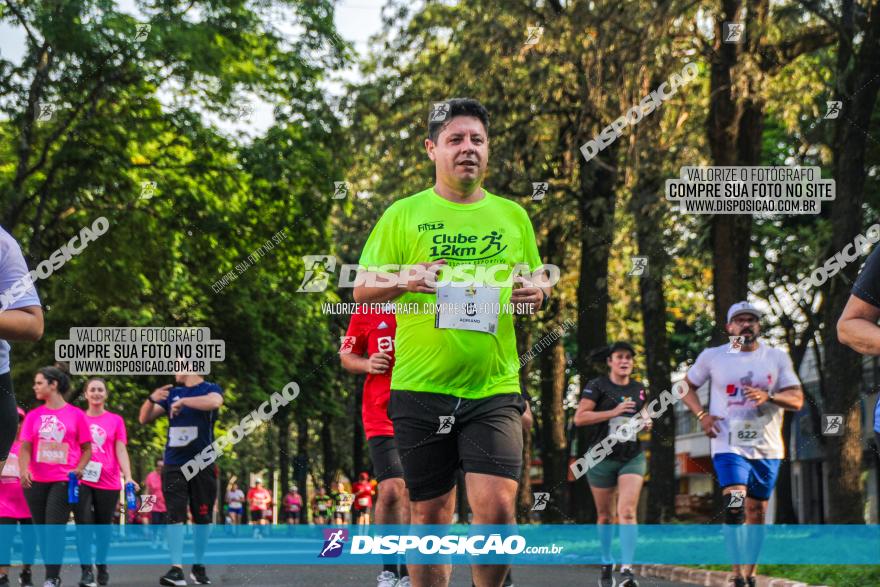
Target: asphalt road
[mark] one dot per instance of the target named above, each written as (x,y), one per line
(341,576)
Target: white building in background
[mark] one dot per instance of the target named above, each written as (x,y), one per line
(809,471)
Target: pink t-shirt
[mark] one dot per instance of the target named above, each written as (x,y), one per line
(154,487)
(106,430)
(55,437)
(12,503)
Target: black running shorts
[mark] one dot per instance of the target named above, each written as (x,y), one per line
(482,436)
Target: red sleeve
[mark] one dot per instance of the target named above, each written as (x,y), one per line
(355,337)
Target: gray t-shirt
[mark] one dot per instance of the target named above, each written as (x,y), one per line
(12,269)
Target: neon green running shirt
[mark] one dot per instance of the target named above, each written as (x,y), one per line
(426,227)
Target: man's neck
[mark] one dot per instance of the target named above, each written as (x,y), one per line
(192,380)
(750,347)
(466,195)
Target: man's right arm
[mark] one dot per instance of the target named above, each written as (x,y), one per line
(857,327)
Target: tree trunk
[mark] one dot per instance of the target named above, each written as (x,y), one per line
(553,455)
(301,463)
(649,209)
(598,183)
(331,462)
(358,438)
(524,492)
(284,451)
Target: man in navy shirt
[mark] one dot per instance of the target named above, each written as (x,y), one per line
(192,407)
(857,327)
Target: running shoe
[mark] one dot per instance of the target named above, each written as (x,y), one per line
(404,582)
(87,579)
(605,579)
(387,579)
(751,582)
(103,575)
(4,581)
(25,579)
(53,582)
(173,578)
(199,575)
(627,579)
(738,581)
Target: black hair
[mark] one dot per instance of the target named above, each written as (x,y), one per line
(57,375)
(440,116)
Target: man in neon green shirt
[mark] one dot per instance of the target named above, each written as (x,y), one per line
(455,393)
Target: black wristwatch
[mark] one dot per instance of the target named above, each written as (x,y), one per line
(546,299)
(151,400)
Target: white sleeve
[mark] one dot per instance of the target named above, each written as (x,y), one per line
(787,376)
(698,374)
(16,287)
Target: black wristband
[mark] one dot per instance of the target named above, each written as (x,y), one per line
(152,401)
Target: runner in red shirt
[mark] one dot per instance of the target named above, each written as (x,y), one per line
(260,500)
(363,499)
(368,348)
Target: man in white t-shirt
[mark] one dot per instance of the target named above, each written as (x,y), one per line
(21,319)
(751,384)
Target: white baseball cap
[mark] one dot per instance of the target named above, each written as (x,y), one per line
(743,308)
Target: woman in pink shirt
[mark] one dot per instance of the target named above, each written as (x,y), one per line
(101,482)
(14,511)
(55,441)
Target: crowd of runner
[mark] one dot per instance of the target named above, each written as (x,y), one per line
(442,401)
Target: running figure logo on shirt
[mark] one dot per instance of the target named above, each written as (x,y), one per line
(541,501)
(333,542)
(51,428)
(99,437)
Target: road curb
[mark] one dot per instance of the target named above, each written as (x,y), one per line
(709,578)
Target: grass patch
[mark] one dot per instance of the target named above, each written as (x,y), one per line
(831,575)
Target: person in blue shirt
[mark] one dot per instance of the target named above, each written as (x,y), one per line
(857,327)
(21,319)
(192,406)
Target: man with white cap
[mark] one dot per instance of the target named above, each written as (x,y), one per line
(751,385)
